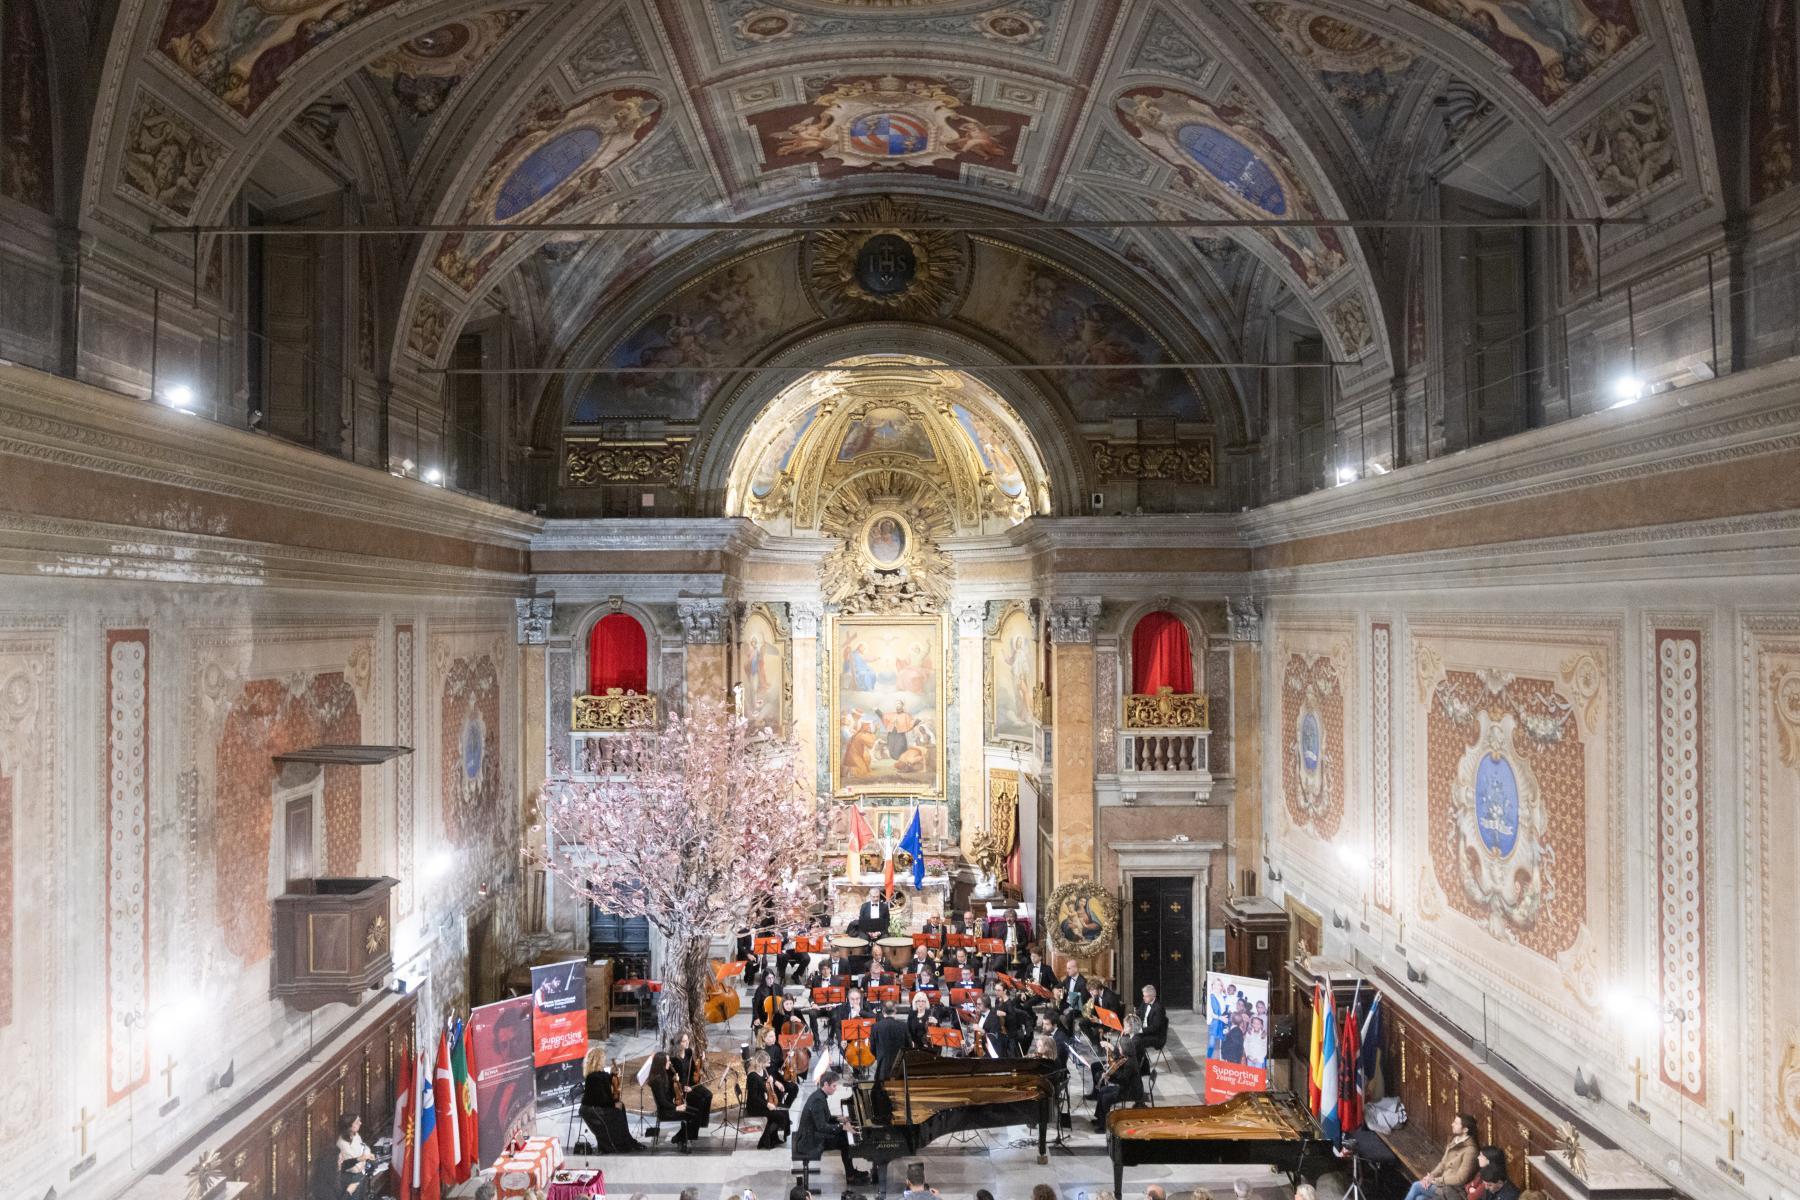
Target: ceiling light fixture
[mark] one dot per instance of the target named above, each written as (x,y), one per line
(1627,389)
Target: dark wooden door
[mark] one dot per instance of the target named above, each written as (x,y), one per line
(1162,939)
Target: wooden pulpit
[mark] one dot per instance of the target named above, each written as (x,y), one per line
(332,940)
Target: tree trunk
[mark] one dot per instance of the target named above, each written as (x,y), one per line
(681,1007)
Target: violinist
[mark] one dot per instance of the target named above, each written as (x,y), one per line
(993,1029)
(600,1107)
(692,1072)
(771,1047)
(768,1095)
(671,1101)
(1119,1083)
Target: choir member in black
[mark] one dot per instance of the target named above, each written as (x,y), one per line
(819,1131)
(872,918)
(672,1108)
(766,987)
(1155,1020)
(768,1095)
(1120,1083)
(687,1068)
(600,1107)
(1103,996)
(1040,972)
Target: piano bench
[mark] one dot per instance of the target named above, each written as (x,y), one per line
(803,1168)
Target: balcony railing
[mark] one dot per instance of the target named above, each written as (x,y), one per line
(615,712)
(1163,748)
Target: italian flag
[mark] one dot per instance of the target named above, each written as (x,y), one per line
(462,1080)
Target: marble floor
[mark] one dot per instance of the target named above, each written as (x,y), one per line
(1081,1171)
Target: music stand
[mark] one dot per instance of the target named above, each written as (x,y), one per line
(1355,1190)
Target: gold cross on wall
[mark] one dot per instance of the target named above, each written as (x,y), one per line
(1639,1075)
(1732,1129)
(168,1074)
(81,1127)
(1174,906)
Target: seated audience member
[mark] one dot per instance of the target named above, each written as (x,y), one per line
(1490,1182)
(1043,1191)
(1454,1169)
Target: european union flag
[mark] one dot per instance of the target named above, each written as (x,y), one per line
(910,842)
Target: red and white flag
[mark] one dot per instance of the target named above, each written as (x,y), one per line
(449,1128)
(404,1130)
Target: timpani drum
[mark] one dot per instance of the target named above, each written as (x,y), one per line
(897,951)
(847,945)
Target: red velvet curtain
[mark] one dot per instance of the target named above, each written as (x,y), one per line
(618,655)
(1160,657)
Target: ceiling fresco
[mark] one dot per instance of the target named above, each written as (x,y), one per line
(521,111)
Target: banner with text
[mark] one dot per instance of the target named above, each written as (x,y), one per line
(505,1083)
(559,1031)
(1237,1036)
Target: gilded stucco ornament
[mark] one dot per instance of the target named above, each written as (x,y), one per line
(879,264)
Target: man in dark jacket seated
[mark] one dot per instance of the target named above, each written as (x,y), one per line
(1155,1020)
(819,1131)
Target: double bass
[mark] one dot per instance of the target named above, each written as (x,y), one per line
(721,1002)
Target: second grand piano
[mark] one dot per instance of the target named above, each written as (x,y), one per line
(927,1097)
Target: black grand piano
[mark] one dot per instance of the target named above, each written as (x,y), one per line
(1274,1128)
(926,1097)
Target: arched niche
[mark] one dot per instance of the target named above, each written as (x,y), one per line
(1035,424)
(1192,624)
(581,638)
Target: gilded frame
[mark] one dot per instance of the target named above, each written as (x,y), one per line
(781,639)
(846,631)
(991,649)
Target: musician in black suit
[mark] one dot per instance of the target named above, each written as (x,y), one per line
(792,961)
(1120,1083)
(1155,1019)
(1040,972)
(892,1037)
(819,1131)
(872,917)
(1016,1008)
(854,1008)
(1105,997)
(1071,995)
(992,1023)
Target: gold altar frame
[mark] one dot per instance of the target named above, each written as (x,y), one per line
(842,628)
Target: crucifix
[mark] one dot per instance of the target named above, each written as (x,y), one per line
(168,1074)
(1638,1075)
(81,1127)
(1732,1129)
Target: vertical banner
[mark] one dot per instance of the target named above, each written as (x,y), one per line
(505,1083)
(1237,1036)
(559,1032)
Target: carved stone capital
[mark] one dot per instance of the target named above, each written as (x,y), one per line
(969,618)
(1245,613)
(1072,618)
(534,619)
(804,617)
(704,621)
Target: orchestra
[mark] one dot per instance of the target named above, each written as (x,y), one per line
(850,1006)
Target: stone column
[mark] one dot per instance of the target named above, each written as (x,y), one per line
(1072,715)
(535,730)
(803,623)
(1246,729)
(705,624)
(972,717)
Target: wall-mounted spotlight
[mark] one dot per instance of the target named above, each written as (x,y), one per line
(1587,1086)
(1415,973)
(1339,920)
(1270,870)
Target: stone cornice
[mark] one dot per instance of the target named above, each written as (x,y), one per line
(1749,413)
(56,420)
(1164,531)
(729,535)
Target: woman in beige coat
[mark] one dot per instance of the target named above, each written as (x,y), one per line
(1457,1167)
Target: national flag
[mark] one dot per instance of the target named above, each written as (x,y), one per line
(462,1078)
(1317,1044)
(1368,1060)
(424,1153)
(404,1098)
(887,876)
(1328,1072)
(449,1129)
(1350,1101)
(913,842)
(860,838)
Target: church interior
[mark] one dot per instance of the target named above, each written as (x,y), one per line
(1176,495)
